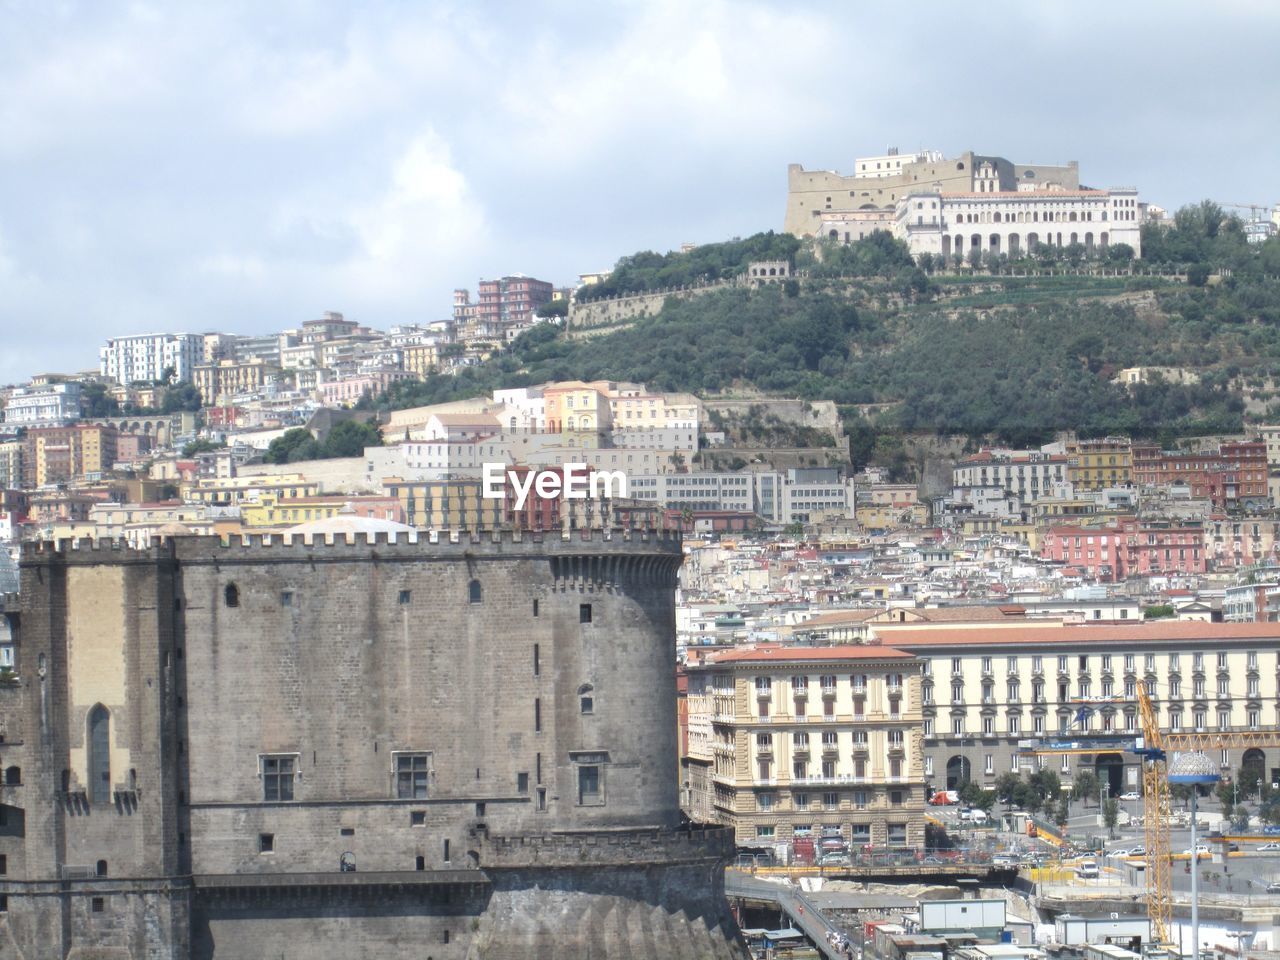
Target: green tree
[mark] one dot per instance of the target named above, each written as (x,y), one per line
(553,308)
(180,397)
(1111,815)
(1085,786)
(1158,611)
(95,402)
(201,445)
(1062,813)
(292,446)
(349,439)
(1007,786)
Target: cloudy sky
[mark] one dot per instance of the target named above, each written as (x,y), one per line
(244,166)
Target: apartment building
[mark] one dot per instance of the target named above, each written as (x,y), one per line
(64,454)
(219,382)
(811,741)
(1027,474)
(1097,464)
(51,405)
(1129,548)
(984,690)
(1233,476)
(148,356)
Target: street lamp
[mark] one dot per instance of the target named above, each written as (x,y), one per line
(1194,770)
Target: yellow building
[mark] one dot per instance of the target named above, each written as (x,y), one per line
(577,407)
(1096,464)
(442,504)
(271,510)
(812,743)
(420,359)
(219,381)
(231,491)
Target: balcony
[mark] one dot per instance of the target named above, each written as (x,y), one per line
(860,691)
(830,750)
(828,693)
(800,693)
(764,693)
(800,750)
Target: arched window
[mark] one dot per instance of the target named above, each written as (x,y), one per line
(231,595)
(473,591)
(13,776)
(834,234)
(960,165)
(99,755)
(102,868)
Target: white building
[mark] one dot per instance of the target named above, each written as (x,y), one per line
(1027,473)
(1015,222)
(53,405)
(147,356)
(890,164)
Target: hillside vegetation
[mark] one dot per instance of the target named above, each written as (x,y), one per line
(982,353)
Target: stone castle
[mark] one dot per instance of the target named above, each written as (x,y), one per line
(821,200)
(454,746)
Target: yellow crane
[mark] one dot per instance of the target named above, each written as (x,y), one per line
(1154,746)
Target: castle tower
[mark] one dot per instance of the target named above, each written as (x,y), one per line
(446,747)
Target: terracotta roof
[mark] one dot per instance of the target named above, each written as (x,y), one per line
(841,616)
(906,636)
(780,654)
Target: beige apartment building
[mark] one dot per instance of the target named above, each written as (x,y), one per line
(810,741)
(218,382)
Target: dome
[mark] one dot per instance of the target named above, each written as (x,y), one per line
(347,521)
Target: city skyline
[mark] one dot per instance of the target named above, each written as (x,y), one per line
(199,169)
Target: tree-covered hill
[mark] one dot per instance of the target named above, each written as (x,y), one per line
(985,353)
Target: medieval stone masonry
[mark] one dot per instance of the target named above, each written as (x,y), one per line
(452,747)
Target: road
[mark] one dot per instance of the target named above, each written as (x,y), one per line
(803,915)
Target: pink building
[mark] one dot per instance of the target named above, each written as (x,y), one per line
(1128,549)
(347,393)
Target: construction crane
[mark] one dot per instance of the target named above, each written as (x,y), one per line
(1154,746)
(1254,208)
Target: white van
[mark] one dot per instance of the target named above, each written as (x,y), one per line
(1087,870)
(973,816)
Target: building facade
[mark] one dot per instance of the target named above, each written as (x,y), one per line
(147,357)
(366,748)
(1130,548)
(1235,476)
(811,742)
(985,690)
(1017,222)
(219,382)
(53,405)
(814,194)
(1094,465)
(1027,474)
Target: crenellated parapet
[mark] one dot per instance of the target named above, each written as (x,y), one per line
(608,848)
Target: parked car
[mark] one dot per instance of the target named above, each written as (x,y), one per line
(1268,846)
(1087,870)
(1201,852)
(1117,853)
(1130,796)
(944,798)
(1273,886)
(834,860)
(973,816)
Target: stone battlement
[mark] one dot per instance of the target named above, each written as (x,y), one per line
(283,541)
(608,848)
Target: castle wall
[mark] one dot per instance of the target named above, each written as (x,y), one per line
(813,193)
(342,658)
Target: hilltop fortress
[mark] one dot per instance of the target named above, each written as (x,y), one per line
(380,745)
(937,204)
